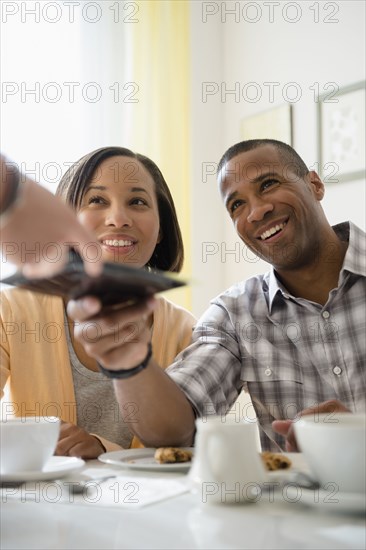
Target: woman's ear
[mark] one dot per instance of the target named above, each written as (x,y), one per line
(160,236)
(317,185)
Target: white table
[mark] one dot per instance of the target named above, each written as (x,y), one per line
(179,522)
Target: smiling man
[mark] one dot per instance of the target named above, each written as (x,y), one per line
(274,203)
(293,338)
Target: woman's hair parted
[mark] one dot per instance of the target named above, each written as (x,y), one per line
(168,254)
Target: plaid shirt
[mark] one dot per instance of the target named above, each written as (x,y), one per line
(288,353)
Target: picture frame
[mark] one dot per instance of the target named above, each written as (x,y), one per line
(275,123)
(341,133)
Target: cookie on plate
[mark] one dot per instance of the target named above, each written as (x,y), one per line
(170,455)
(275,461)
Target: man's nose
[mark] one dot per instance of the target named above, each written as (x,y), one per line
(258,209)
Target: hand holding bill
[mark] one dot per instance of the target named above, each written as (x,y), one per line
(38,228)
(121,334)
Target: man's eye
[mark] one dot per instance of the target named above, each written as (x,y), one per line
(234,205)
(268,183)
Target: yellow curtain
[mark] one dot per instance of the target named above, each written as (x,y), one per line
(158,51)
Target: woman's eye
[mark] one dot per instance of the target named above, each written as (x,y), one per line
(139,202)
(96,200)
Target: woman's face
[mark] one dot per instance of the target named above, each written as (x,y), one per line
(120,207)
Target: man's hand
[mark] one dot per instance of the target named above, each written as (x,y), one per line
(117,337)
(286,427)
(74,441)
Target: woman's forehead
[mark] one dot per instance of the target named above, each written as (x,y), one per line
(122,169)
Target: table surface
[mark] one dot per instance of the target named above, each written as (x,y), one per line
(275,521)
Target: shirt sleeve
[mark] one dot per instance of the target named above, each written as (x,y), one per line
(208,371)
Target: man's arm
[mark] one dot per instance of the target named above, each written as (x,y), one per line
(155,408)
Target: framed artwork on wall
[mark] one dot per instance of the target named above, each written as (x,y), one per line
(275,123)
(341,134)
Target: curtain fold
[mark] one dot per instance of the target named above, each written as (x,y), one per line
(158,123)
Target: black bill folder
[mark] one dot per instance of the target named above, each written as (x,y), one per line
(116,284)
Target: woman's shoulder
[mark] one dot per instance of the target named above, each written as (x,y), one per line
(27,300)
(169,309)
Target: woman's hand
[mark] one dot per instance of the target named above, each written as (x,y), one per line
(74,441)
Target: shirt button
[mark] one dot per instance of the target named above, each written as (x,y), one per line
(326,314)
(337,370)
(268,372)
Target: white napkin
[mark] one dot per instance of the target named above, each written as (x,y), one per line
(128,491)
(99,487)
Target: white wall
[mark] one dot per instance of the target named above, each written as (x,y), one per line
(225,49)
(303,52)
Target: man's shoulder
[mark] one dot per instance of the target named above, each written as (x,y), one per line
(355,259)
(253,288)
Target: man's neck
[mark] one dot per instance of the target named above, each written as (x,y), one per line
(315,281)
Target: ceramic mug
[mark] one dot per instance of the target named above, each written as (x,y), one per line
(227,467)
(27,443)
(334,445)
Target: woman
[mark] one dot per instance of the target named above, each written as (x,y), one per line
(123,199)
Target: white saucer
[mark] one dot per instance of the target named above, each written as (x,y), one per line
(328,500)
(56,467)
(142,459)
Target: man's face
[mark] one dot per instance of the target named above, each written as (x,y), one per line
(276,213)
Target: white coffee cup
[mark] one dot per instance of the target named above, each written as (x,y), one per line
(27,443)
(226,466)
(334,447)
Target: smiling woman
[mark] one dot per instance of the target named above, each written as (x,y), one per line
(121,187)
(120,207)
(122,197)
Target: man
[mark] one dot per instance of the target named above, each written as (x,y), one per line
(31,218)
(293,338)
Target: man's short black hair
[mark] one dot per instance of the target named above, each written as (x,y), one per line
(287,154)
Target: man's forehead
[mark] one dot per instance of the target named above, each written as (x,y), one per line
(251,165)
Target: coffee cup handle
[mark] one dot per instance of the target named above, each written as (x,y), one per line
(218,477)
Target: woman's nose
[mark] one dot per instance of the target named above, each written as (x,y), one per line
(118,217)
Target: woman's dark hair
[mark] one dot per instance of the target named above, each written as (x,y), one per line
(169,252)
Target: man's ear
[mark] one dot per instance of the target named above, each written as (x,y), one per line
(317,186)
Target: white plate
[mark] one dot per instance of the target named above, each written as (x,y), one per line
(328,500)
(142,459)
(56,467)
(298,464)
